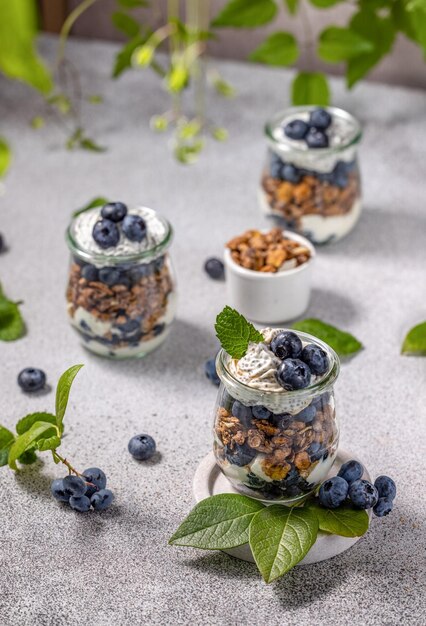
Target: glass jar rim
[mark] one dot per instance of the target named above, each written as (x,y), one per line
(354,139)
(149,253)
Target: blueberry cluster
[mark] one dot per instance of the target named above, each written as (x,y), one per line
(339,176)
(106,232)
(298,363)
(312,132)
(127,275)
(31,379)
(84,491)
(142,447)
(349,485)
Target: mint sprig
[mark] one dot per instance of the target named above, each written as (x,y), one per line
(235,332)
(342,342)
(415,341)
(12,325)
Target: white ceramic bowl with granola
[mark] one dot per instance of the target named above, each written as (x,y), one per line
(269,275)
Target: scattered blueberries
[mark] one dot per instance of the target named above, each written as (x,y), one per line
(31,379)
(83,492)
(286,345)
(214,268)
(386,487)
(316,358)
(58,490)
(293,374)
(141,447)
(102,499)
(383,507)
(320,118)
(316,138)
(351,471)
(363,494)
(74,485)
(80,503)
(296,129)
(114,211)
(241,454)
(211,373)
(95,476)
(106,234)
(134,227)
(333,492)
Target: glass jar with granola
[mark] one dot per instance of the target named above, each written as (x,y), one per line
(121,294)
(311,180)
(275,427)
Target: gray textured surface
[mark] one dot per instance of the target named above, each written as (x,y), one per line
(58,567)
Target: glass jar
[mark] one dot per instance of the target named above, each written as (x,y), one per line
(276,446)
(314,191)
(121,306)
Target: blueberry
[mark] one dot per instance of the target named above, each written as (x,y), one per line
(275,166)
(141,271)
(214,268)
(320,118)
(129,327)
(141,447)
(383,507)
(291,173)
(109,275)
(293,374)
(339,175)
(322,401)
(242,412)
(292,491)
(286,345)
(254,481)
(102,499)
(316,358)
(316,138)
(210,371)
(307,415)
(159,263)
(31,379)
(261,412)
(386,487)
(363,494)
(292,478)
(333,492)
(2,246)
(74,485)
(90,273)
(84,325)
(240,455)
(58,491)
(114,211)
(96,478)
(351,471)
(134,227)
(80,503)
(296,129)
(315,451)
(282,420)
(106,234)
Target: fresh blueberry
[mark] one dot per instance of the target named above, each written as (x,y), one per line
(320,118)
(210,371)
(386,487)
(293,374)
(307,415)
(31,379)
(322,401)
(158,329)
(286,345)
(141,447)
(292,478)
(134,227)
(97,479)
(102,499)
(316,358)
(58,491)
(275,166)
(363,494)
(159,263)
(74,485)
(129,327)
(339,175)
(214,268)
(84,325)
(109,275)
(90,273)
(282,420)
(291,173)
(383,507)
(240,455)
(351,471)
(333,492)
(261,412)
(106,234)
(292,491)
(80,503)
(114,211)
(141,271)
(296,129)
(316,138)
(242,412)
(315,451)
(254,481)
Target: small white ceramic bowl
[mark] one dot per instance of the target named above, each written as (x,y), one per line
(270,298)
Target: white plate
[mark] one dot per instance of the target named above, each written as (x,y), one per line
(209,481)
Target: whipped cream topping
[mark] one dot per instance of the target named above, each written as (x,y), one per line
(257,368)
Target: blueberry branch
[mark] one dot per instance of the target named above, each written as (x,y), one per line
(71,469)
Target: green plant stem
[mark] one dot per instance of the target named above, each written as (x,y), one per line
(71,469)
(68,24)
(173,13)
(197,12)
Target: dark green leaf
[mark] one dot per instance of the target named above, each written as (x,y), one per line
(342,342)
(246,14)
(123,60)
(292,6)
(277,49)
(98,201)
(324,4)
(11,323)
(415,341)
(340,44)
(132,4)
(5,157)
(62,393)
(28,458)
(235,332)
(344,521)
(310,88)
(217,523)
(27,440)
(49,443)
(6,440)
(26,422)
(89,144)
(127,24)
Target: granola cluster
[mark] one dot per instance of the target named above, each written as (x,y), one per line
(267,252)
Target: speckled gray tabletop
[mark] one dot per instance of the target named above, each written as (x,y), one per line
(58,567)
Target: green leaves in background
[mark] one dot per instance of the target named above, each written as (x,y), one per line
(340,44)
(292,6)
(25,423)
(39,430)
(133,4)
(344,521)
(324,4)
(415,341)
(123,60)
(278,49)
(235,332)
(342,342)
(5,157)
(126,23)
(12,325)
(98,201)
(6,441)
(62,393)
(310,88)
(246,14)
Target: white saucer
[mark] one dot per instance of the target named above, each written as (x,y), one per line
(209,481)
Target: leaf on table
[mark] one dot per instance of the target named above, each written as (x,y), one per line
(278,49)
(62,393)
(246,14)
(344,521)
(340,44)
(342,342)
(88,144)
(280,537)
(310,88)
(415,341)
(27,441)
(218,523)
(48,443)
(235,332)
(6,440)
(12,325)
(26,422)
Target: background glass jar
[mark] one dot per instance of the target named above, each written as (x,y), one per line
(121,306)
(314,191)
(276,446)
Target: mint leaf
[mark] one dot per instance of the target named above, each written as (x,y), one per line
(292,5)
(217,523)
(28,457)
(344,521)
(415,341)
(5,157)
(11,323)
(310,88)
(340,44)
(98,201)
(6,440)
(26,422)
(235,332)
(62,394)
(89,144)
(342,342)
(280,537)
(48,443)
(127,24)
(27,440)
(278,49)
(246,13)
(324,4)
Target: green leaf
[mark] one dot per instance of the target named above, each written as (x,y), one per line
(127,24)
(344,521)
(310,88)
(417,18)
(280,537)
(159,123)
(95,99)
(324,4)
(6,440)
(246,14)
(235,332)
(62,393)
(98,201)
(220,134)
(89,144)
(415,341)
(11,323)
(123,60)
(178,77)
(342,342)
(292,6)
(49,443)
(25,423)
(223,88)
(132,4)
(27,441)
(61,102)
(278,49)
(5,157)
(217,523)
(28,457)
(37,122)
(340,44)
